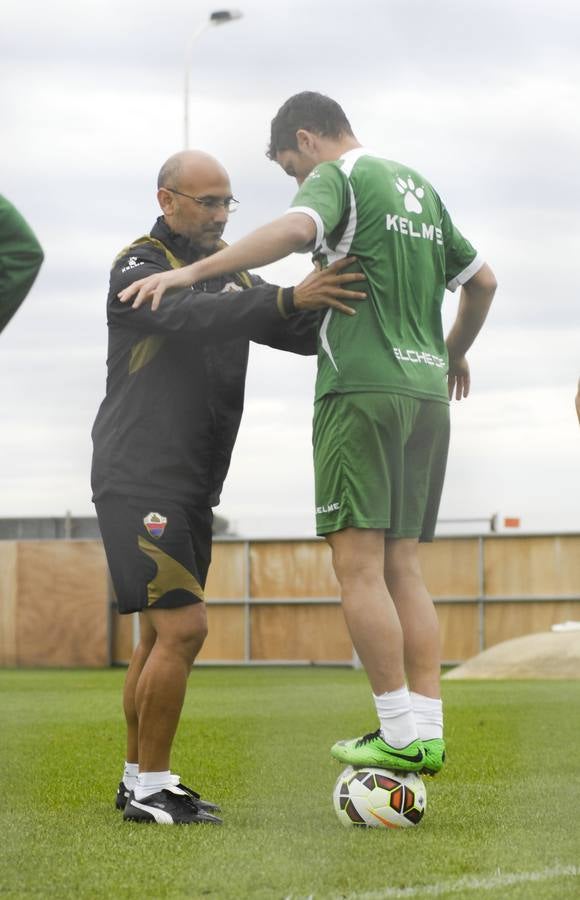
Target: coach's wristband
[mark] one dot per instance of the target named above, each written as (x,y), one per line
(286,305)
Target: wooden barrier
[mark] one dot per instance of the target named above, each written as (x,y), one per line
(450,567)
(300,632)
(277,601)
(55,604)
(291,569)
(8,595)
(542,565)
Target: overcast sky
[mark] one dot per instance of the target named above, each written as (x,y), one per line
(481,97)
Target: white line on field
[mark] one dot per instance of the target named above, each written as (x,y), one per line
(460,885)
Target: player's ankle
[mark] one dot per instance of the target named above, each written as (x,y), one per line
(397,722)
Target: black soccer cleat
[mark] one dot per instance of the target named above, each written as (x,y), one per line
(123,795)
(170,806)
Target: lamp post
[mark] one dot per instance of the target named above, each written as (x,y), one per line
(219,17)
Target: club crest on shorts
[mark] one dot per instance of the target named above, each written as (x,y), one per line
(155,524)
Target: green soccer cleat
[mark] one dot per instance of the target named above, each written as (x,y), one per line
(434,756)
(372,750)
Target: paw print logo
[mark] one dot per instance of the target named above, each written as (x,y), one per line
(413,195)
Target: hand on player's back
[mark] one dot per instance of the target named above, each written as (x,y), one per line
(327,287)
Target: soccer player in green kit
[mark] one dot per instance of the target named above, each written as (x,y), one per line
(381,415)
(21,257)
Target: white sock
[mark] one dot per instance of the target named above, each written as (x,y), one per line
(130,773)
(151,783)
(428,716)
(395,714)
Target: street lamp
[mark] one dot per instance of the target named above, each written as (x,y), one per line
(219,17)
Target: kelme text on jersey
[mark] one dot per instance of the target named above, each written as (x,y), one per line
(406,226)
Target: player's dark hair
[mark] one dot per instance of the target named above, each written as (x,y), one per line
(310,111)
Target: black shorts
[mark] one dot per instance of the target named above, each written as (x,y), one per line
(158,552)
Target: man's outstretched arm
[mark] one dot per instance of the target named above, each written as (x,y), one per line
(474,303)
(293,232)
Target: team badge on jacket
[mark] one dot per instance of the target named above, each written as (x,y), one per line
(155,524)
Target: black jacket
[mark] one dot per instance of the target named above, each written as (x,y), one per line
(176,377)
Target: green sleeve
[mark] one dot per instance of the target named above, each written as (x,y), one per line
(324,193)
(20,259)
(461,258)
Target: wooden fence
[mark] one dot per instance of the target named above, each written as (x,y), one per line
(277,601)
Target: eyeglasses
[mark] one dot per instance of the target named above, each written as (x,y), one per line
(230,204)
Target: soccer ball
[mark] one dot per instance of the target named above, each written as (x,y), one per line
(379,798)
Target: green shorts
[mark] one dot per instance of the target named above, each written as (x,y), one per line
(379,462)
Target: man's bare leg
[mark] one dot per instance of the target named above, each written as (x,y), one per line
(139,657)
(422,646)
(158,796)
(416,614)
(358,558)
(371,618)
(160,689)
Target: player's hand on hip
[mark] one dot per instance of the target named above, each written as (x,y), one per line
(458,377)
(152,288)
(327,287)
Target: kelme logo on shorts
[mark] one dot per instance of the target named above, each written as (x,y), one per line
(329,507)
(155,524)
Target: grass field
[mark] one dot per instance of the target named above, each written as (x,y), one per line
(502,822)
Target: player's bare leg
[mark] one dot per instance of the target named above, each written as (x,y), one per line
(422,644)
(160,689)
(138,659)
(129,780)
(371,617)
(416,614)
(159,694)
(147,636)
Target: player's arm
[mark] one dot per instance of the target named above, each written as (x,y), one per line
(577,401)
(222,316)
(192,314)
(474,303)
(316,210)
(21,257)
(288,234)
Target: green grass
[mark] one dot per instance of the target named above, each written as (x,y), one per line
(257,742)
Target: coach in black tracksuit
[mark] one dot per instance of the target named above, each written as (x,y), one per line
(165,432)
(163,439)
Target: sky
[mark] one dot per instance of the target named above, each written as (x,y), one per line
(481,96)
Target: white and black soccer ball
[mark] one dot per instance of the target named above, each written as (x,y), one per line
(379,798)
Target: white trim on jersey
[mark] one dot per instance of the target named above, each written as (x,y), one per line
(305,210)
(351,157)
(324,337)
(473,267)
(341,250)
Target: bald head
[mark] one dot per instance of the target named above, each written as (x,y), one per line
(189,165)
(193,190)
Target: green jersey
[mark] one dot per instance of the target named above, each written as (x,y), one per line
(20,259)
(393,221)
